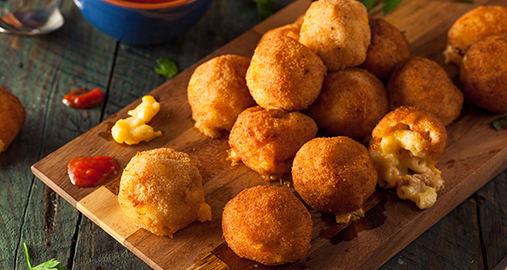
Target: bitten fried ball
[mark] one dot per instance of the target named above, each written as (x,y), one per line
(484,73)
(12,118)
(388,48)
(423,83)
(267,224)
(473,26)
(266,141)
(161,191)
(284,74)
(289,30)
(338,31)
(351,103)
(217,93)
(334,175)
(405,149)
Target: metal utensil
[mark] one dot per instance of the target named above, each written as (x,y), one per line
(33,22)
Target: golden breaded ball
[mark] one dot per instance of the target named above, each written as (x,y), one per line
(473,26)
(289,30)
(388,48)
(351,103)
(284,74)
(423,83)
(267,224)
(217,93)
(267,140)
(405,149)
(484,73)
(161,191)
(334,175)
(12,118)
(338,31)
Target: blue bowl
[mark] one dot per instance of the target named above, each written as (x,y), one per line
(142,23)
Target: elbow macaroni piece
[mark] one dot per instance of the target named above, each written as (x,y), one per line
(146,110)
(134,129)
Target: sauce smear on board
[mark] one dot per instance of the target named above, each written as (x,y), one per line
(82,98)
(91,171)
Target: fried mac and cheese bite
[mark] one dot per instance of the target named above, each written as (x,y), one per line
(217,93)
(405,149)
(423,83)
(284,74)
(388,48)
(267,224)
(267,140)
(337,31)
(483,73)
(351,103)
(12,118)
(161,191)
(334,175)
(473,26)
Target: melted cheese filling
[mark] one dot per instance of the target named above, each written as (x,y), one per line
(403,164)
(135,129)
(349,217)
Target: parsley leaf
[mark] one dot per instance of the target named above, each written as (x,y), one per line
(49,265)
(167,68)
(389,5)
(499,122)
(368,3)
(264,8)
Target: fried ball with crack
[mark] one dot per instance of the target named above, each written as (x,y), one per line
(12,118)
(284,74)
(405,149)
(483,73)
(334,175)
(473,26)
(161,191)
(267,224)
(266,141)
(423,83)
(217,93)
(388,48)
(351,103)
(337,31)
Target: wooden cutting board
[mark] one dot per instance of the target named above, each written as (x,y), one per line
(475,153)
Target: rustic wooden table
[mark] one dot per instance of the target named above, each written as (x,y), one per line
(40,70)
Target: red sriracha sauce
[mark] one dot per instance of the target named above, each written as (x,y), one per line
(91,171)
(82,98)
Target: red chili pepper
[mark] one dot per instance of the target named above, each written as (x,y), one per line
(91,171)
(83,98)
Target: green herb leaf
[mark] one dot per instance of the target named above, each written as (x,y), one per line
(167,68)
(499,122)
(264,8)
(49,265)
(389,5)
(368,3)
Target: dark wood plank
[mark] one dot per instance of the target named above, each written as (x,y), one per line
(493,219)
(40,70)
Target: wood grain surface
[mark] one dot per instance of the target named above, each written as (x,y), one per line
(49,60)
